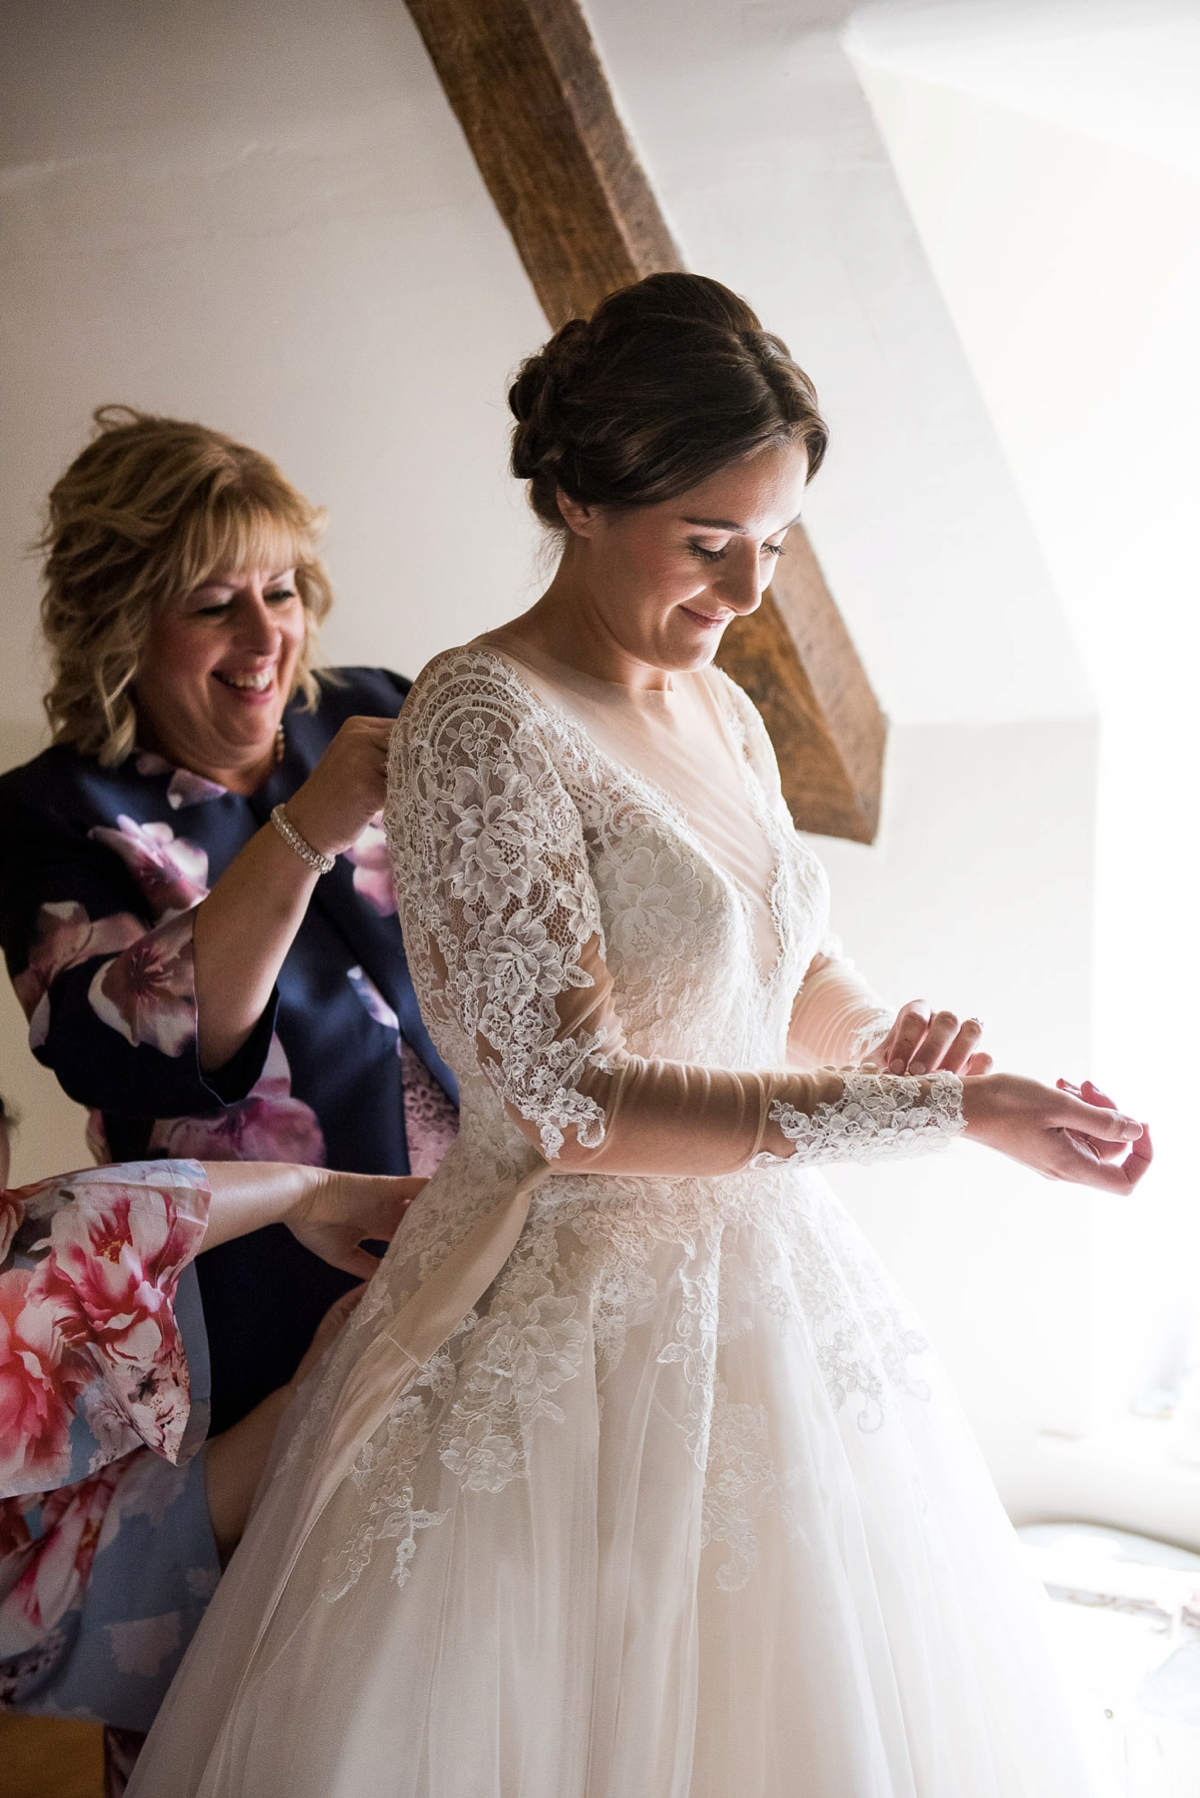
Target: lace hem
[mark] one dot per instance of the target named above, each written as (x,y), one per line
(875,1119)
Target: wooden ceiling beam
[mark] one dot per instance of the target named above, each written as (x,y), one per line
(530,93)
(529,90)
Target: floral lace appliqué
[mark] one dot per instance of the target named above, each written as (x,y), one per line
(740,1487)
(874,1118)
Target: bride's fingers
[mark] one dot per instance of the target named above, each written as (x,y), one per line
(980,1063)
(1099,1121)
(1122,1176)
(1137,1162)
(957,1054)
(907,1033)
(1076,1159)
(1089,1092)
(939,1040)
(1100,1151)
(1091,1095)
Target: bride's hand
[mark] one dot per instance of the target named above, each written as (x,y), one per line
(925,1042)
(1109,1151)
(1057,1131)
(339,1211)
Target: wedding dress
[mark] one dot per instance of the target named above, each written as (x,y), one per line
(632,1476)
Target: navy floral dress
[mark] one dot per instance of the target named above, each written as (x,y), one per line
(100,870)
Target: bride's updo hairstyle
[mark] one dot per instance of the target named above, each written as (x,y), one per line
(667,382)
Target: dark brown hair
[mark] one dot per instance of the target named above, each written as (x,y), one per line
(667,382)
(144,514)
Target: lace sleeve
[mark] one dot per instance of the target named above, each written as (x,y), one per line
(504,936)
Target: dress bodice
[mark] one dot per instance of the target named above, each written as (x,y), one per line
(620,962)
(711,906)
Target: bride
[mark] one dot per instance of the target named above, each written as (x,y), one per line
(632,1477)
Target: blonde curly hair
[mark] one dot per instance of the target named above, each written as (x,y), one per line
(146,513)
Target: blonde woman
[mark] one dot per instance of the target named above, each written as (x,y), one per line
(194,902)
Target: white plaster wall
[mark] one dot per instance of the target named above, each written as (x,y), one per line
(1050,155)
(974,905)
(264,216)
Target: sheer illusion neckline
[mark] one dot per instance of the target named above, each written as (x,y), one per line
(541,661)
(653,792)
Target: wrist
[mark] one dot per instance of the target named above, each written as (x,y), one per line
(318,860)
(305,1205)
(307,815)
(974,1101)
(977,1093)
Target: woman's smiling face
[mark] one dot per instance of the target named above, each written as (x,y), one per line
(660,583)
(217,673)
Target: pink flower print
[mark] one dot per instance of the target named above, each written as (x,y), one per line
(373,1000)
(110,1277)
(59,1559)
(269,1124)
(185,787)
(373,869)
(148,993)
(63,937)
(14,1530)
(37,1391)
(172,873)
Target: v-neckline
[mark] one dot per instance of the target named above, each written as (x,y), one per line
(663,802)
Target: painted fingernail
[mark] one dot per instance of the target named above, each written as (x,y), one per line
(897,1066)
(918,1067)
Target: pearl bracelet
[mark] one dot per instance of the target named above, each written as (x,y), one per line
(323,864)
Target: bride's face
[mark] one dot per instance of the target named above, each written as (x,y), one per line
(664,581)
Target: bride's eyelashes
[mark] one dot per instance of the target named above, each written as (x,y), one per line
(719,555)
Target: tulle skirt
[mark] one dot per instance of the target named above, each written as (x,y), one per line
(683,1510)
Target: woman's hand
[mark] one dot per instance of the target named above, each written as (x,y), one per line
(925,1042)
(338,1211)
(1091,1095)
(346,788)
(329,1212)
(1058,1131)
